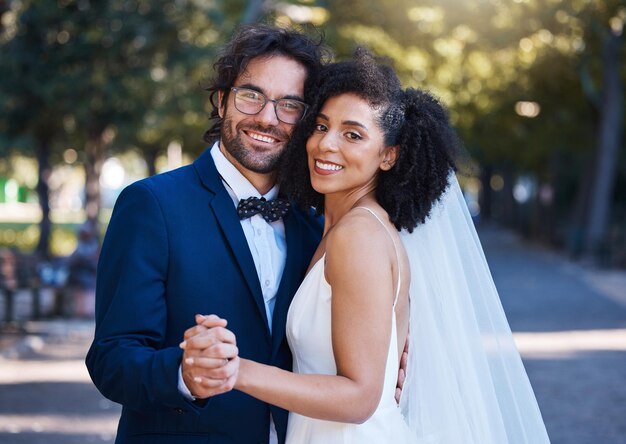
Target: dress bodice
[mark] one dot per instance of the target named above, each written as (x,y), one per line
(309,333)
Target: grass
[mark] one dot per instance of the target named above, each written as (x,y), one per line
(24,236)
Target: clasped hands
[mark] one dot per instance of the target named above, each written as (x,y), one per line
(210,358)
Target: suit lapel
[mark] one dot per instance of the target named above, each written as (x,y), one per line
(290,280)
(226,216)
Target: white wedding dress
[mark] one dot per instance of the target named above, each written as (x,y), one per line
(465,381)
(310,339)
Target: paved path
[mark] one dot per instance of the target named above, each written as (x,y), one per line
(570,326)
(569,322)
(46,396)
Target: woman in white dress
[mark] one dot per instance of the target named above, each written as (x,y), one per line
(379,159)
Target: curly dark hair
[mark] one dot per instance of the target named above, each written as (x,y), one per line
(260,40)
(413,120)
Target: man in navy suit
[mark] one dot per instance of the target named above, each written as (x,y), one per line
(208,238)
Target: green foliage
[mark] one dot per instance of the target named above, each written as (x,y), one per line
(73,68)
(134,71)
(484,59)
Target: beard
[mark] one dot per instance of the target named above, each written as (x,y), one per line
(262,162)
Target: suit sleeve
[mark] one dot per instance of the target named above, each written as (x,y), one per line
(129,361)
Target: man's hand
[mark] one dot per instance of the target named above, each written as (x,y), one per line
(402,370)
(210,358)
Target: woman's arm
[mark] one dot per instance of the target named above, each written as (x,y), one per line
(359,270)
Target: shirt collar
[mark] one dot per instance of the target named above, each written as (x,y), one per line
(241,187)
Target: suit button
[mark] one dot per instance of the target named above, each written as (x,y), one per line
(179,411)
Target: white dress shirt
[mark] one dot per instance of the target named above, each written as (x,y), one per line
(266,241)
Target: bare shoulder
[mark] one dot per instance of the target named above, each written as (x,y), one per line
(358,238)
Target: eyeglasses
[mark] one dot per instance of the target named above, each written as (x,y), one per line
(251,102)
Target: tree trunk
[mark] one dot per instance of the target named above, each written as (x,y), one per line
(150,156)
(43,193)
(508,204)
(95,150)
(609,135)
(577,233)
(486,194)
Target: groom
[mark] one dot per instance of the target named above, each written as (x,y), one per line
(205,239)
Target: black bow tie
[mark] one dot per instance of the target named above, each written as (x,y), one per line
(271,210)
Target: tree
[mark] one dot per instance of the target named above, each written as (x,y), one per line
(83,72)
(33,104)
(489,61)
(609,104)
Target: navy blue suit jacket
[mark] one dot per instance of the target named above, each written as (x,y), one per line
(175,247)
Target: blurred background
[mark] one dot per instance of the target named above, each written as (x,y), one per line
(97,94)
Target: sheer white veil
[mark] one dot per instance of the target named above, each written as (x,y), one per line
(465,383)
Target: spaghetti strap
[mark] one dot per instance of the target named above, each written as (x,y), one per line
(395,247)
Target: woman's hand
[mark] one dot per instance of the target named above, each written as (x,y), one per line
(402,371)
(210,359)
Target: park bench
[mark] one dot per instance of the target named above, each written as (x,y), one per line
(20,271)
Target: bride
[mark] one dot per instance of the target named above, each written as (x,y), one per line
(399,257)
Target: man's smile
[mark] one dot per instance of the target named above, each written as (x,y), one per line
(261,137)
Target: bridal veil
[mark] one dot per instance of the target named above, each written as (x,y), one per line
(466,383)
